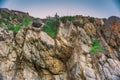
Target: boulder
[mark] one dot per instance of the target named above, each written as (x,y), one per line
(37,23)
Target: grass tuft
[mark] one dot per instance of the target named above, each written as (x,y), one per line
(95,47)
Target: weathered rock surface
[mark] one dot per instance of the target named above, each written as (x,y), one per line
(31,54)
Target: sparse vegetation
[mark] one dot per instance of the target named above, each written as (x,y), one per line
(91,19)
(64,18)
(5,15)
(14,28)
(95,47)
(1,20)
(104,19)
(13,22)
(51,27)
(78,23)
(26,21)
(18,26)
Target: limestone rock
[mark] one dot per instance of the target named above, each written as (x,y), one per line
(31,54)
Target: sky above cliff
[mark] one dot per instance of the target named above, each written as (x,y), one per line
(43,8)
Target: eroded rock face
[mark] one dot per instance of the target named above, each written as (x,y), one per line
(31,54)
(111,34)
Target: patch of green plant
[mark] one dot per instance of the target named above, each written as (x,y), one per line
(50,31)
(26,21)
(91,19)
(1,25)
(1,20)
(17,27)
(15,16)
(14,28)
(5,15)
(95,47)
(104,19)
(70,18)
(10,26)
(51,27)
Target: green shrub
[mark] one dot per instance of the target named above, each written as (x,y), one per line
(64,18)
(52,23)
(95,47)
(1,20)
(51,27)
(1,25)
(50,31)
(5,15)
(10,26)
(91,19)
(4,21)
(14,28)
(26,21)
(15,16)
(104,19)
(17,27)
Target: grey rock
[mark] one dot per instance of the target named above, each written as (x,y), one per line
(37,23)
(111,20)
(90,73)
(114,77)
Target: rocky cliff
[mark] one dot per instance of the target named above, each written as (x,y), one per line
(31,54)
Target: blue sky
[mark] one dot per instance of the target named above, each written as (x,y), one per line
(43,8)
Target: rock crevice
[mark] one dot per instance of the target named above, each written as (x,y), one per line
(31,54)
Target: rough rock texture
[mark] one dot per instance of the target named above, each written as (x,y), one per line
(31,54)
(13,17)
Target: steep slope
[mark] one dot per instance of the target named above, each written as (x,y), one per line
(75,53)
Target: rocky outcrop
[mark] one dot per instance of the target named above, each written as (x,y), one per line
(14,18)
(31,54)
